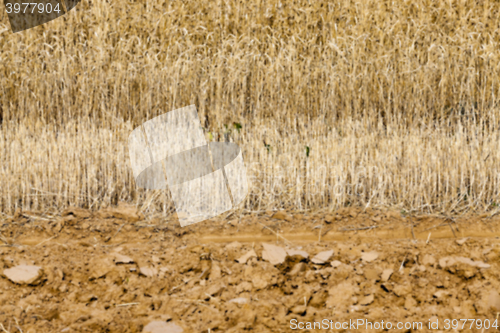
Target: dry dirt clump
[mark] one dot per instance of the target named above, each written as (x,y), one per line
(234,275)
(23,274)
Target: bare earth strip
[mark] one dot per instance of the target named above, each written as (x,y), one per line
(111,274)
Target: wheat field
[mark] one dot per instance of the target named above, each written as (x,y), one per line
(369,103)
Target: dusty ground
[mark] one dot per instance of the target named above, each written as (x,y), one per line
(114,271)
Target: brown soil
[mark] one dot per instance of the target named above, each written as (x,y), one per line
(114,271)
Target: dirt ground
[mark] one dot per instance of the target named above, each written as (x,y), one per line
(116,271)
